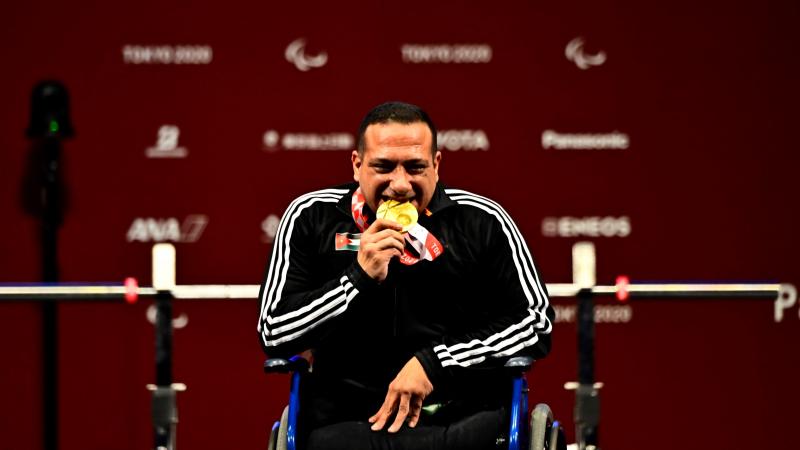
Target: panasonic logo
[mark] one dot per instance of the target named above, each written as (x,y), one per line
(446,54)
(585,141)
(586,226)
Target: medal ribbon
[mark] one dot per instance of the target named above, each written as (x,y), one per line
(423,241)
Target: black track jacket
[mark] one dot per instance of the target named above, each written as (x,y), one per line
(462,314)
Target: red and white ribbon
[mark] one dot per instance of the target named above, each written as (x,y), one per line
(423,241)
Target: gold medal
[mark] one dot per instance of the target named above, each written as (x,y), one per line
(403,213)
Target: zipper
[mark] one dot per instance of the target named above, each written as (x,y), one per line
(394,314)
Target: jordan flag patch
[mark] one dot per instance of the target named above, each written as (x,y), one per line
(347,241)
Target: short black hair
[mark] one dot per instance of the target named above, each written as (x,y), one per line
(396,112)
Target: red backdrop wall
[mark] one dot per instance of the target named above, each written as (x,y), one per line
(664,133)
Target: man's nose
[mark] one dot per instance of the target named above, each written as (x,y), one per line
(400,182)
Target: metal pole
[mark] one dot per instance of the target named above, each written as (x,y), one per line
(587,397)
(164,407)
(587,400)
(103,292)
(51,220)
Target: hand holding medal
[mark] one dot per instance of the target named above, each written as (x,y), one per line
(395,224)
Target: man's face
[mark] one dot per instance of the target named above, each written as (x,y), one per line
(397,164)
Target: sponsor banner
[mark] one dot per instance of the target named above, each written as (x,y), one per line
(450,140)
(455,140)
(586,226)
(167,54)
(167,144)
(575,53)
(273,140)
(167,229)
(623,313)
(614,314)
(446,53)
(585,141)
(787,298)
(296,54)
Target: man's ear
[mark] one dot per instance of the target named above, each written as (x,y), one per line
(436,160)
(356,160)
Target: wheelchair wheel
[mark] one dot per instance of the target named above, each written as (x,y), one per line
(557,439)
(541,421)
(277,438)
(273,436)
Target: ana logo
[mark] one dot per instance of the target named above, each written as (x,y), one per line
(574,52)
(295,54)
(152,229)
(269,228)
(167,144)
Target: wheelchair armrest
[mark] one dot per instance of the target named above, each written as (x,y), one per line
(521,363)
(280,365)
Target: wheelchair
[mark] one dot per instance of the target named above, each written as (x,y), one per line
(539,432)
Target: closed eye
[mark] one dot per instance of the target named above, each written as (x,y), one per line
(416,167)
(382,167)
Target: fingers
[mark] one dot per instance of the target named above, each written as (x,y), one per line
(405,410)
(387,238)
(381,224)
(408,410)
(379,244)
(416,410)
(379,419)
(406,393)
(402,413)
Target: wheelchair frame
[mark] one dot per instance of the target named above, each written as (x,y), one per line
(544,433)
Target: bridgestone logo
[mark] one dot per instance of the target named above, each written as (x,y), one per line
(167,54)
(560,141)
(446,54)
(308,141)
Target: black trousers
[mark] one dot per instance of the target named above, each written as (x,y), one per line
(478,431)
(334,417)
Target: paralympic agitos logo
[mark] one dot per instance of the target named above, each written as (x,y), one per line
(296,54)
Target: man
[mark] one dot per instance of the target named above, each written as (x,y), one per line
(409,326)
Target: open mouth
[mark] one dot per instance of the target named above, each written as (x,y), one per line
(385,199)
